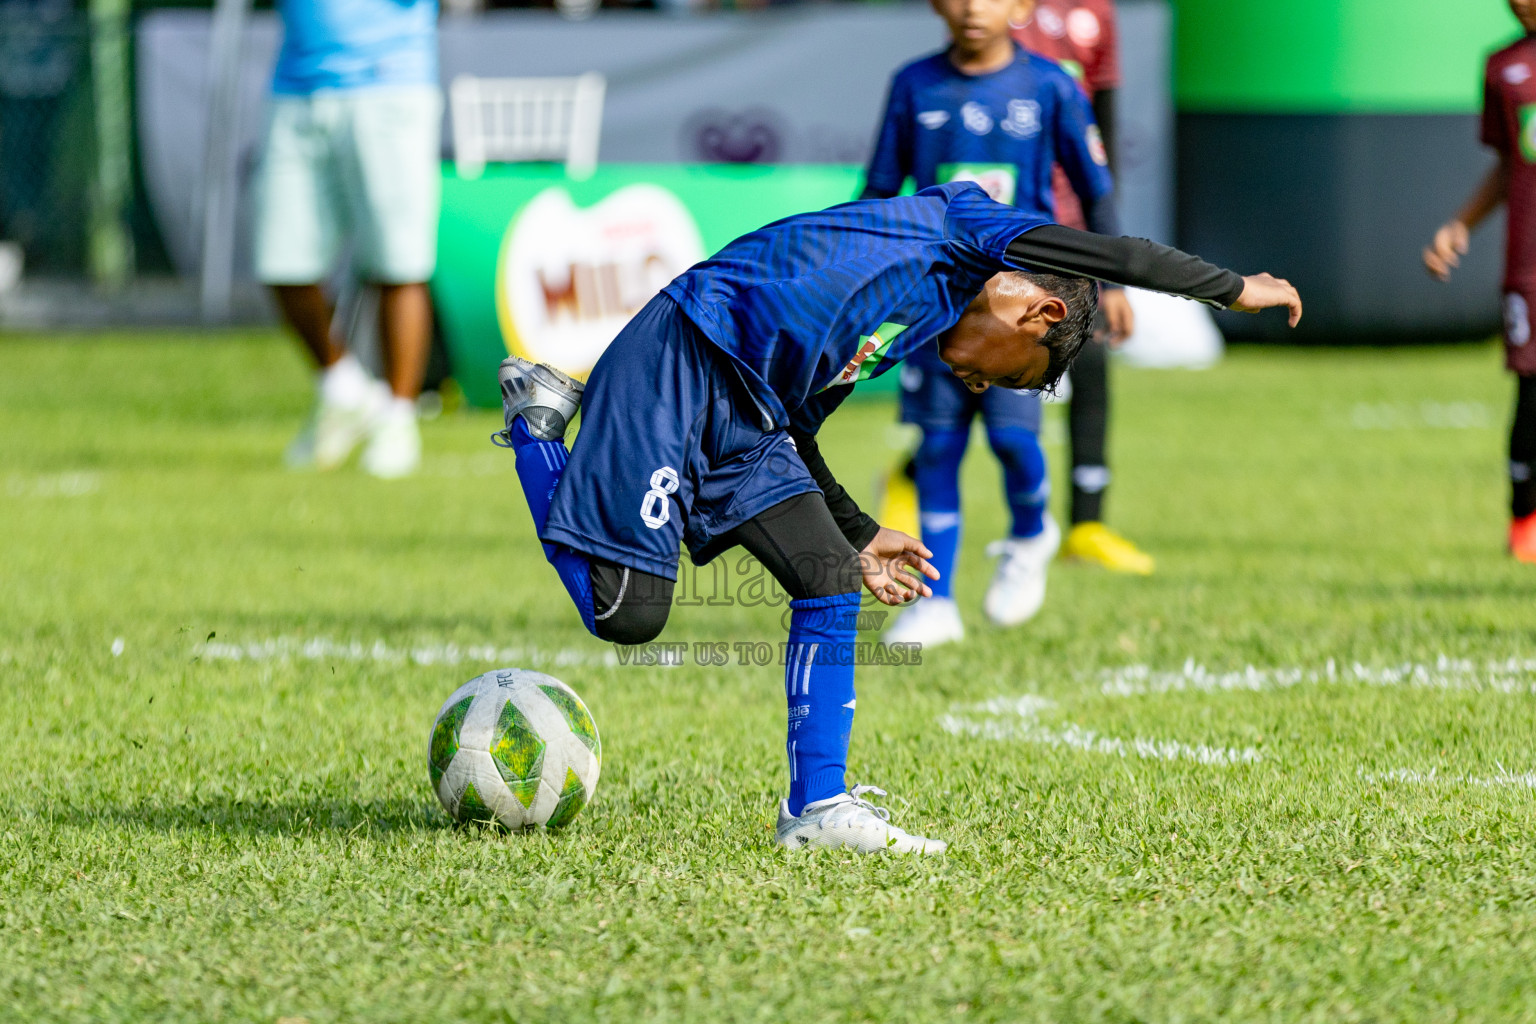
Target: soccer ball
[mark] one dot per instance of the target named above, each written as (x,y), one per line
(514,747)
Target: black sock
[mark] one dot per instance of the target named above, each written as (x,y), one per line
(1087,427)
(1522,451)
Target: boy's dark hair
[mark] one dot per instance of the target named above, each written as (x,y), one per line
(1068,335)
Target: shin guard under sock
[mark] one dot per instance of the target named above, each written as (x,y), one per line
(539,466)
(818,683)
(937,473)
(1025,479)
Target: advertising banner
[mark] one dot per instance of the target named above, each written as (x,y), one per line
(533,263)
(791,85)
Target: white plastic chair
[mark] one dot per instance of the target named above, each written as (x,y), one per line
(510,120)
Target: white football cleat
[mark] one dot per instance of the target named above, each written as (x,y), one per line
(848,822)
(543,396)
(931,621)
(394,449)
(1018,588)
(334,430)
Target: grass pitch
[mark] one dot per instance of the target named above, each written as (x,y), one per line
(1290,777)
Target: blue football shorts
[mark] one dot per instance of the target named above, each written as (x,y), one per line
(671,450)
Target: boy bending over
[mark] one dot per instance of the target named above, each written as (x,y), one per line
(700,428)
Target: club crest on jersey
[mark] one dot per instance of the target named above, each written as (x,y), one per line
(977,120)
(872,349)
(1023,120)
(1083,27)
(1050,21)
(932,119)
(1517,74)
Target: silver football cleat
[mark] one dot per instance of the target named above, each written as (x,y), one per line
(847,821)
(544,397)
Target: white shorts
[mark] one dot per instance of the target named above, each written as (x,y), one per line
(358,166)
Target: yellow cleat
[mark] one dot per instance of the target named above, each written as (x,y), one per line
(1097,543)
(898,500)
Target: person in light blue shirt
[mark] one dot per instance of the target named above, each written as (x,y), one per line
(355,44)
(351,162)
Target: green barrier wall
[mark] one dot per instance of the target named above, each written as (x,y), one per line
(1325,140)
(1335,56)
(478,215)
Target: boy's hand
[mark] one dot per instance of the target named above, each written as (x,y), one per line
(1262,291)
(1444,254)
(1118,315)
(890,565)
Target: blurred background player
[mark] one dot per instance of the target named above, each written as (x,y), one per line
(1509,128)
(988,111)
(1082,36)
(352,157)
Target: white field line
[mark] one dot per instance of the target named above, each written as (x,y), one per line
(1017,719)
(53,485)
(1511,675)
(1504,779)
(1431,415)
(321,649)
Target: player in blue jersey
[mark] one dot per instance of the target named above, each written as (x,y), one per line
(987,110)
(700,421)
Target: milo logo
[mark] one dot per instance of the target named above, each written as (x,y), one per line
(568,279)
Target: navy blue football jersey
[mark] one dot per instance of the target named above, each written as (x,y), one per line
(834,297)
(1004,130)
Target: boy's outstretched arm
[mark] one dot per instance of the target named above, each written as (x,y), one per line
(1443,254)
(1139,263)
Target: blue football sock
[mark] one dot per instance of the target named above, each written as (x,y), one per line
(1025,479)
(937,474)
(539,465)
(818,682)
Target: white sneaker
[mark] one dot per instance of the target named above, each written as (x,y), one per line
(394,449)
(1018,588)
(848,822)
(931,621)
(348,403)
(330,436)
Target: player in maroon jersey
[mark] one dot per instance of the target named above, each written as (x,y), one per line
(1081,35)
(1509,128)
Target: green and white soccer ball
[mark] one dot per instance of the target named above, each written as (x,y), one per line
(514,747)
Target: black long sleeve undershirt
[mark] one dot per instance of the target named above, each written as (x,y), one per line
(853,523)
(1134,262)
(1116,260)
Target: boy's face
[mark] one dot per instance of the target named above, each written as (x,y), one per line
(997,338)
(975,24)
(1525,12)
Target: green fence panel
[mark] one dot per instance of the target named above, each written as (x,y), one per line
(534,262)
(1336,56)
